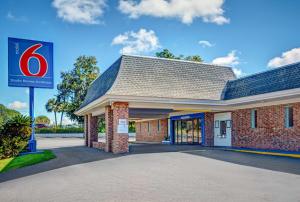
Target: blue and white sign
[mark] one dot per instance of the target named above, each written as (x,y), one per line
(30,63)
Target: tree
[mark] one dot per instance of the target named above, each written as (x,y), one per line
(52,106)
(6,114)
(195,58)
(74,85)
(42,120)
(167,54)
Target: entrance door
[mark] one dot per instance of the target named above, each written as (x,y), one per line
(188,131)
(222,129)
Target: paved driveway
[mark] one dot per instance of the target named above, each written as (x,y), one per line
(152,173)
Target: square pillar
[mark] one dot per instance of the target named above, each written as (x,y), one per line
(86,130)
(108,128)
(92,129)
(120,136)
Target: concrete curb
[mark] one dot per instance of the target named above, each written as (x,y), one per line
(265,153)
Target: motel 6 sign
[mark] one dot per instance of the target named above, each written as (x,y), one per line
(30,63)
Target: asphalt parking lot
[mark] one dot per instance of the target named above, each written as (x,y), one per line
(152,173)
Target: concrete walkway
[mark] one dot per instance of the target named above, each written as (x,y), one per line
(152,173)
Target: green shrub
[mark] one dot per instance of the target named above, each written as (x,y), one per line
(59,130)
(14,136)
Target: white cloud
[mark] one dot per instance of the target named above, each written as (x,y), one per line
(186,10)
(238,72)
(137,42)
(287,57)
(205,44)
(12,17)
(231,59)
(80,11)
(17,105)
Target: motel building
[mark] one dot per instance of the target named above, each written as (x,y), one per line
(193,103)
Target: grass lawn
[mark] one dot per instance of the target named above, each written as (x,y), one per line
(25,160)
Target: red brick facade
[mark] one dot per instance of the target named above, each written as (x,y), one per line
(270,133)
(99,145)
(108,128)
(92,130)
(120,141)
(86,130)
(154,134)
(209,129)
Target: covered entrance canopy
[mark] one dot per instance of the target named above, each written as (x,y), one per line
(141,88)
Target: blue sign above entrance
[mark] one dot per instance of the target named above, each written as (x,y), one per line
(30,63)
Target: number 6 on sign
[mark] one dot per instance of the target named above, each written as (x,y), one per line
(27,55)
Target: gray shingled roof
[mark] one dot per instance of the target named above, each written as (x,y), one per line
(283,78)
(158,77)
(102,84)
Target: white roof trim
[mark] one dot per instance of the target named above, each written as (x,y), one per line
(172,102)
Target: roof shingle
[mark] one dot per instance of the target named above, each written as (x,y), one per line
(283,78)
(159,77)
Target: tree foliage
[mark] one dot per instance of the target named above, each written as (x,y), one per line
(167,54)
(42,120)
(52,106)
(74,85)
(6,114)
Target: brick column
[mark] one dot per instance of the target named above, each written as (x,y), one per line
(209,129)
(120,140)
(92,129)
(108,128)
(86,129)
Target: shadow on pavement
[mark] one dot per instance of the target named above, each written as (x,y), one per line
(67,156)
(274,163)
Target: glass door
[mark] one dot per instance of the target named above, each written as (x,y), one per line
(188,131)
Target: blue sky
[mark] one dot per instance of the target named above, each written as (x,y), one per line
(251,36)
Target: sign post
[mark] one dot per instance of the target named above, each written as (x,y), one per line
(30,64)
(32,141)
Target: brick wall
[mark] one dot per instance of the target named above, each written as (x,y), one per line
(209,129)
(92,130)
(153,135)
(99,145)
(270,132)
(108,128)
(119,140)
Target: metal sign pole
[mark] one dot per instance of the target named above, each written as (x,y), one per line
(32,141)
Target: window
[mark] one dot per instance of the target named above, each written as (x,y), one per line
(228,124)
(158,125)
(148,126)
(288,117)
(223,129)
(217,124)
(253,118)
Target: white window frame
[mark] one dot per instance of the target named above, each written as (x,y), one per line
(253,121)
(287,123)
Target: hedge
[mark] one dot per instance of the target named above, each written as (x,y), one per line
(59,130)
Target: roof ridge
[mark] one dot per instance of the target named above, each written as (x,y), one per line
(171,59)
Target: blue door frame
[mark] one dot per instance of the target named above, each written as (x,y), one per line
(200,116)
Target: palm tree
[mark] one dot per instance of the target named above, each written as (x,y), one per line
(52,106)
